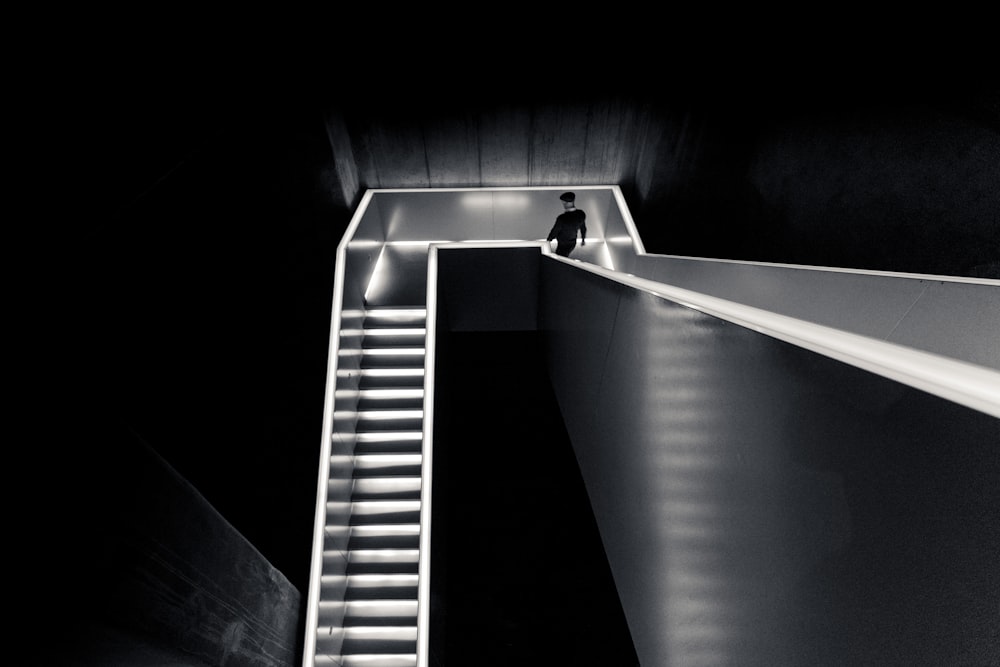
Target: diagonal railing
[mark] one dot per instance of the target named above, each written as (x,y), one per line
(390,230)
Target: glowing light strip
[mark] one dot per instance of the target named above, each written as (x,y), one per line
(381,530)
(363,507)
(384,372)
(385,555)
(633,231)
(427,473)
(391,393)
(390,436)
(383,415)
(498,188)
(392,372)
(389,351)
(401,331)
(413,244)
(366,579)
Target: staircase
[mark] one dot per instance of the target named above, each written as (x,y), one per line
(379,598)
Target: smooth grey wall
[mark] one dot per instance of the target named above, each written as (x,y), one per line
(764,505)
(951,318)
(934,314)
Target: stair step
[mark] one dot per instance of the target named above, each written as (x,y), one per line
(379,326)
(383,561)
(374,488)
(367,512)
(371,585)
(381,587)
(392,337)
(374,425)
(409,398)
(384,465)
(382,568)
(368,639)
(337,613)
(402,357)
(380,612)
(384,536)
(369,660)
(389,442)
(391,378)
(410,419)
(390,512)
(396,317)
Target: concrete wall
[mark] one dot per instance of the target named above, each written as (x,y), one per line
(432,144)
(135,567)
(764,505)
(904,184)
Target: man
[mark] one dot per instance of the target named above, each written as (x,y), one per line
(571,221)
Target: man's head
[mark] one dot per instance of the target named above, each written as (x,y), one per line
(568,200)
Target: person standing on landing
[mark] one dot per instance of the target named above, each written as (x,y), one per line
(571,221)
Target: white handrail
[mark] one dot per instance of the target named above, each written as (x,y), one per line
(968,384)
(427,467)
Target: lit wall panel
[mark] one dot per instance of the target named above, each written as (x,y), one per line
(579,311)
(619,241)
